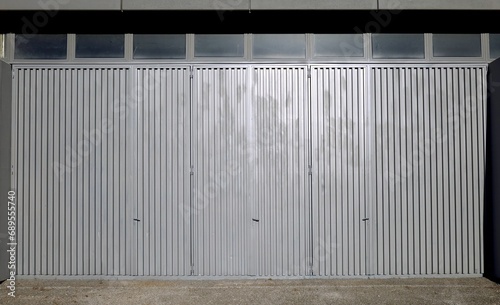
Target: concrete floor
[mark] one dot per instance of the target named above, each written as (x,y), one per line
(272,292)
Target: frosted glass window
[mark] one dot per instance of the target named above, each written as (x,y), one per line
(100,46)
(456,45)
(495,45)
(41,46)
(159,46)
(279,45)
(219,45)
(338,45)
(401,46)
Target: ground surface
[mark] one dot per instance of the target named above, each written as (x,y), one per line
(272,292)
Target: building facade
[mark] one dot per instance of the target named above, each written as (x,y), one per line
(249,145)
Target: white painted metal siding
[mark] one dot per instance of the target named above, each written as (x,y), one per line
(71,171)
(429,170)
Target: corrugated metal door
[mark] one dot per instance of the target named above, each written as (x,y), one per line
(251,201)
(340,169)
(220,204)
(429,170)
(281,198)
(70,171)
(249,170)
(162,180)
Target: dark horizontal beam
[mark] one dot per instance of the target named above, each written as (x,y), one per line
(29,22)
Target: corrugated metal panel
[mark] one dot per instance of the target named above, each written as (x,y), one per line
(221,207)
(70,171)
(339,169)
(280,116)
(163,171)
(429,170)
(216,173)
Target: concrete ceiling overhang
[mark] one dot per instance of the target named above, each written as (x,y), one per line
(124,5)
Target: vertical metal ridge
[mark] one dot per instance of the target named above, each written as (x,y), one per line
(98,175)
(16,142)
(438,240)
(482,96)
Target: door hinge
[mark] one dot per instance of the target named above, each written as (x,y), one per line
(192,171)
(191,72)
(308,72)
(310,170)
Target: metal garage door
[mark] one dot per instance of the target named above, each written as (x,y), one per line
(280,115)
(429,169)
(220,204)
(249,170)
(250,197)
(340,168)
(69,135)
(160,133)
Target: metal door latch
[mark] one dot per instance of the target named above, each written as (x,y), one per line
(365,219)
